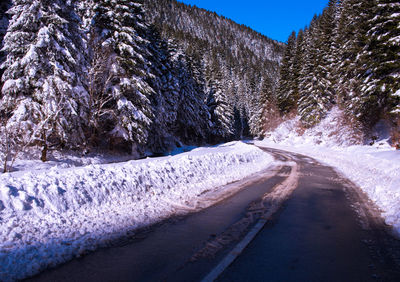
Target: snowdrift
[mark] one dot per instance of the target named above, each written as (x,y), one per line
(49,216)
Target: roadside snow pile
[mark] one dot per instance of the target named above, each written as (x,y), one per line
(331,131)
(49,216)
(31,160)
(376,169)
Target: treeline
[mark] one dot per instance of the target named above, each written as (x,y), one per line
(348,56)
(109,74)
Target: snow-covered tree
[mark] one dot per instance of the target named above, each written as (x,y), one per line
(268,115)
(85,10)
(4,19)
(381,60)
(325,57)
(120,26)
(286,95)
(221,111)
(192,113)
(316,90)
(312,103)
(354,23)
(296,69)
(42,74)
(166,94)
(255,107)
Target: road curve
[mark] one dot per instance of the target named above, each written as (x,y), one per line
(320,228)
(326,231)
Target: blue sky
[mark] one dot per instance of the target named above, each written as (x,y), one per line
(273,18)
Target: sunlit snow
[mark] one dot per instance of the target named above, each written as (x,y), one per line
(49,216)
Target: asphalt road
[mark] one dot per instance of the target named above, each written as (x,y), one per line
(325,231)
(319,236)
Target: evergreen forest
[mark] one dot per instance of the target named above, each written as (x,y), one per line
(348,56)
(146,76)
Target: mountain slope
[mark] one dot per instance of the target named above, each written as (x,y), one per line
(218,31)
(236,62)
(116,75)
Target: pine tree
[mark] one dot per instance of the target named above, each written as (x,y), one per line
(86,12)
(354,23)
(170,85)
(221,111)
(255,107)
(192,113)
(316,89)
(380,72)
(269,113)
(4,19)
(164,84)
(346,54)
(311,108)
(325,57)
(286,98)
(42,84)
(120,26)
(296,70)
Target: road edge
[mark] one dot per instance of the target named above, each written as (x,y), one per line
(274,200)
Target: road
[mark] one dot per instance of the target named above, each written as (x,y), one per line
(326,231)
(320,227)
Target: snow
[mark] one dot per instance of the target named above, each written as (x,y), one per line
(50,215)
(44,37)
(396,111)
(375,169)
(12,85)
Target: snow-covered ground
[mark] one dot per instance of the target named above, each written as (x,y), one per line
(49,215)
(52,212)
(376,168)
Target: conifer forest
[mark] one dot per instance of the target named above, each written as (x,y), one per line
(145,76)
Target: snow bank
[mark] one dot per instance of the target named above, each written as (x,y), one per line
(49,216)
(376,169)
(331,132)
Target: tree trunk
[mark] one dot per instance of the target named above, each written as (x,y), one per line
(44,149)
(5,165)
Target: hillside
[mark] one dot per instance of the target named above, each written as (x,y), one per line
(186,23)
(240,66)
(107,75)
(348,56)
